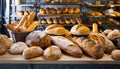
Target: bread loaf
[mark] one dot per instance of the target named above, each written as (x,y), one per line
(64,1)
(42,11)
(76,10)
(56,1)
(80,30)
(52,53)
(33,26)
(67,46)
(38,38)
(59,10)
(48,10)
(49,20)
(116,54)
(65,10)
(56,20)
(20,12)
(17,48)
(32,52)
(54,11)
(73,21)
(47,1)
(79,20)
(74,1)
(62,21)
(70,10)
(43,21)
(67,20)
(26,12)
(107,31)
(90,47)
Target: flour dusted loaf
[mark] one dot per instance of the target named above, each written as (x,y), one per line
(17,48)
(5,43)
(52,53)
(38,38)
(67,46)
(115,54)
(32,52)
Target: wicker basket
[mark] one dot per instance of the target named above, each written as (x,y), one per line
(19,37)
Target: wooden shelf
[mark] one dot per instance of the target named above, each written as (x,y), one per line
(23,5)
(96,16)
(96,5)
(59,14)
(65,59)
(78,3)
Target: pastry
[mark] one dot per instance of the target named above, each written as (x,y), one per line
(5,43)
(54,11)
(38,38)
(80,30)
(65,10)
(116,54)
(48,10)
(49,20)
(73,21)
(56,29)
(62,21)
(17,48)
(47,1)
(52,53)
(26,12)
(42,11)
(74,1)
(56,20)
(20,12)
(70,10)
(64,1)
(59,10)
(43,21)
(67,46)
(67,20)
(76,10)
(32,52)
(89,47)
(79,20)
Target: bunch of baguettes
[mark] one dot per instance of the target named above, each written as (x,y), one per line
(26,24)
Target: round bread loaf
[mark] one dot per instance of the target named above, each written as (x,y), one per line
(43,21)
(54,11)
(67,20)
(73,1)
(65,10)
(56,20)
(49,20)
(48,10)
(38,38)
(116,54)
(62,21)
(70,10)
(17,48)
(52,53)
(73,21)
(76,10)
(59,10)
(47,1)
(42,11)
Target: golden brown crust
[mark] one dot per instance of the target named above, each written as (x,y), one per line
(73,21)
(47,1)
(59,10)
(42,11)
(65,10)
(43,21)
(67,20)
(76,10)
(64,1)
(79,20)
(20,12)
(74,1)
(56,20)
(62,21)
(70,10)
(49,20)
(48,10)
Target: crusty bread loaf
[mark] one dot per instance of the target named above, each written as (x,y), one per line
(80,30)
(43,21)
(116,54)
(47,1)
(64,1)
(33,26)
(74,1)
(90,47)
(65,10)
(49,20)
(70,10)
(76,10)
(54,11)
(48,10)
(20,12)
(73,21)
(79,20)
(17,48)
(59,10)
(38,38)
(67,46)
(56,20)
(67,21)
(62,21)
(26,12)
(56,1)
(42,11)
(52,53)
(32,52)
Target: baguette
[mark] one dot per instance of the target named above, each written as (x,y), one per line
(33,26)
(67,46)
(30,18)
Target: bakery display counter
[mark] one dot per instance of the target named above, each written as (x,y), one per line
(65,59)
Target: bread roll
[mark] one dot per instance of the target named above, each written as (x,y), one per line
(73,21)
(70,10)
(116,54)
(74,1)
(80,30)
(47,1)
(56,20)
(65,10)
(55,29)
(32,52)
(26,12)
(62,21)
(107,31)
(17,48)
(20,12)
(54,11)
(48,10)
(79,20)
(5,43)
(38,38)
(56,1)
(67,46)
(64,1)
(52,53)
(49,20)
(43,21)
(59,10)
(42,11)
(67,20)
(76,10)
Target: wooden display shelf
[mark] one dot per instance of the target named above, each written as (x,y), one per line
(96,16)
(78,3)
(23,5)
(96,5)
(65,59)
(60,14)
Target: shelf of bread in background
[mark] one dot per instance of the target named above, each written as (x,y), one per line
(32,5)
(66,11)
(20,13)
